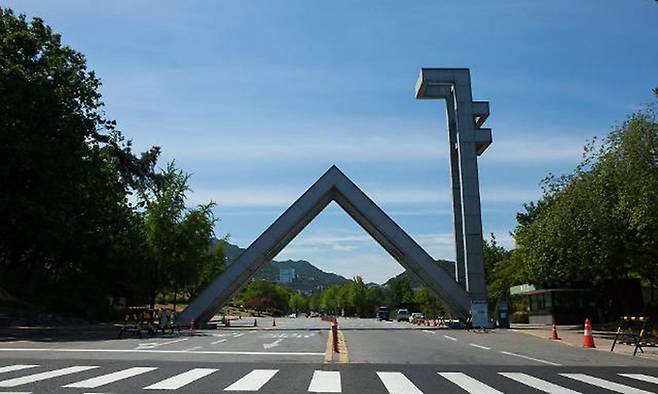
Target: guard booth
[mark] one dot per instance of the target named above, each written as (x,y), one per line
(556,305)
(502,314)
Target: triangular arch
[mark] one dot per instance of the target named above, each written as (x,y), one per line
(332,186)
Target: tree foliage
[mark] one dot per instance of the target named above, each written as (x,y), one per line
(599,222)
(84,218)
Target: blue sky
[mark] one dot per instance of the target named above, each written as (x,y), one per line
(258,98)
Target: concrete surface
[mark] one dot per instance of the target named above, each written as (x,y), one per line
(289,358)
(573,336)
(333,185)
(467,140)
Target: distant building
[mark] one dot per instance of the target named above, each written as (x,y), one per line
(286,275)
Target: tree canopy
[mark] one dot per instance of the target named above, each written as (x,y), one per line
(596,224)
(85,219)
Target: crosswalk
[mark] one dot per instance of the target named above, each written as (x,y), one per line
(326,381)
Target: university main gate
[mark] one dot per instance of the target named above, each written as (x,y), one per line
(464,292)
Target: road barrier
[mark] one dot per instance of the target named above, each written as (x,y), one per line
(637,331)
(588,338)
(143,319)
(334,335)
(554,336)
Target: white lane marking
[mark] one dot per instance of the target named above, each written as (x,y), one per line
(480,346)
(605,384)
(151,345)
(16,392)
(17,367)
(253,381)
(641,377)
(429,332)
(238,335)
(110,378)
(157,351)
(325,382)
(537,383)
(44,375)
(183,379)
(397,383)
(468,383)
(218,341)
(531,358)
(273,344)
(449,337)
(192,348)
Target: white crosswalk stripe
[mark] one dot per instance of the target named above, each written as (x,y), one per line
(397,383)
(641,377)
(45,375)
(537,383)
(468,383)
(253,381)
(325,382)
(183,379)
(17,367)
(110,378)
(604,384)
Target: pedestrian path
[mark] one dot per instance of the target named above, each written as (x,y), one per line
(30,378)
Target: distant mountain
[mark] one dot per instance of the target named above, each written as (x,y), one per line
(308,278)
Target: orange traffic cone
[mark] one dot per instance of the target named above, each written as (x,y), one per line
(273,322)
(554,336)
(588,339)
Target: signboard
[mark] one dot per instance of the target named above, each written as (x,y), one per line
(520,289)
(479,314)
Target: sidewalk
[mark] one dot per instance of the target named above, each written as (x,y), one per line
(573,336)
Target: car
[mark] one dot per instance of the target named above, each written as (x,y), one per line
(403,314)
(416,317)
(383,313)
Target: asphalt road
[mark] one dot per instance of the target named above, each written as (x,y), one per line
(384,357)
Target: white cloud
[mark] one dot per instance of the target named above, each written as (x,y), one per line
(354,139)
(284,196)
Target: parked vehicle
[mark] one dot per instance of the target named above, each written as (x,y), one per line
(416,317)
(383,313)
(403,314)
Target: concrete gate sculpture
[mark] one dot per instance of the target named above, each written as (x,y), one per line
(461,292)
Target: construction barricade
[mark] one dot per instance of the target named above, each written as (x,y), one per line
(637,331)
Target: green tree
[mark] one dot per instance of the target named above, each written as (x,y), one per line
(263,295)
(330,299)
(399,292)
(599,222)
(361,297)
(297,303)
(178,238)
(67,227)
(428,304)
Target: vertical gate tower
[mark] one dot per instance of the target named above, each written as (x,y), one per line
(463,292)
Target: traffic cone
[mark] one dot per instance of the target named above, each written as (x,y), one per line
(588,339)
(554,336)
(273,322)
